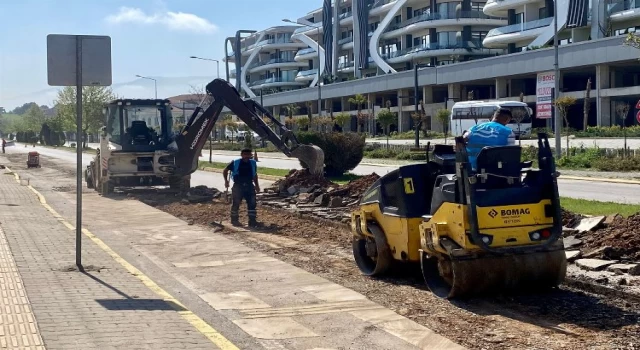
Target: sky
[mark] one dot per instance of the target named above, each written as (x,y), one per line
(152,38)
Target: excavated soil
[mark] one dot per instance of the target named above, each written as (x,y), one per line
(570,219)
(623,235)
(302,178)
(355,188)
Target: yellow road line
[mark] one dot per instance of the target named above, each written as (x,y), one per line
(202,326)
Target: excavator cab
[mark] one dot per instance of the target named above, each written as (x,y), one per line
(139,125)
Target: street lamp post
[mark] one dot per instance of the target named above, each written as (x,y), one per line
(210,59)
(218,77)
(155,84)
(318,51)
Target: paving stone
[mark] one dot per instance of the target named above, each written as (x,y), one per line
(571,241)
(588,224)
(594,264)
(572,255)
(99,310)
(621,267)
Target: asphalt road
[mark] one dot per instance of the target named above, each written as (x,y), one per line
(600,191)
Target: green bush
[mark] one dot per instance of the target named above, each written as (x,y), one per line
(617,163)
(609,131)
(381,153)
(342,151)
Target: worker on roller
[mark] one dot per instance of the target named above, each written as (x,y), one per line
(244,172)
(493,133)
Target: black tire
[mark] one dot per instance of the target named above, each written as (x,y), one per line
(381,261)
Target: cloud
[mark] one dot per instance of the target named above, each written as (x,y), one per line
(179,21)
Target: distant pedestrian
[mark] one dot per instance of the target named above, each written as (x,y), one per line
(244,172)
(4,144)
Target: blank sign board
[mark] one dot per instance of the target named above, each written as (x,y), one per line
(95,57)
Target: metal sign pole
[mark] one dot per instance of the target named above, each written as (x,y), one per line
(79,144)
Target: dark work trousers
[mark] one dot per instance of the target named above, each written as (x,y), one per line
(247,192)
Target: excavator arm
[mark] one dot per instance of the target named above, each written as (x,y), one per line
(189,143)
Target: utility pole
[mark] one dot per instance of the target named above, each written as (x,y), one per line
(416,97)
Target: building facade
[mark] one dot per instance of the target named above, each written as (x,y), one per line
(495,49)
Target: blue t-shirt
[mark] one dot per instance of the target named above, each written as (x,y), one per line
(487,134)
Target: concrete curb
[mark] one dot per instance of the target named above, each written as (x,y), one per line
(600,179)
(261,177)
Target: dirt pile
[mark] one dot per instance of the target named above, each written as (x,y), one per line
(300,178)
(355,188)
(570,219)
(622,235)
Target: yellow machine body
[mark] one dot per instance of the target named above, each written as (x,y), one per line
(504,238)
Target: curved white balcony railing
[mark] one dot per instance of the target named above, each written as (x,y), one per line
(500,8)
(515,33)
(306,75)
(274,82)
(274,63)
(428,20)
(306,54)
(624,11)
(436,49)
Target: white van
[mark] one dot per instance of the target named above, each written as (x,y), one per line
(465,114)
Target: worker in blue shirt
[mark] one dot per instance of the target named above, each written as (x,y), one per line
(493,133)
(244,172)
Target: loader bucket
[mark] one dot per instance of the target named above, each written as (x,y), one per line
(311,157)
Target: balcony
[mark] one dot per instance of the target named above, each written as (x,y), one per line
(624,10)
(345,40)
(308,28)
(306,54)
(274,81)
(501,7)
(274,63)
(437,49)
(521,27)
(426,17)
(306,75)
(345,15)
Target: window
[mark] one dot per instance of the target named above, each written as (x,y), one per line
(422,11)
(478,37)
(542,13)
(421,41)
(447,39)
(519,18)
(477,6)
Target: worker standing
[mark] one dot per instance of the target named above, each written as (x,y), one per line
(244,172)
(493,133)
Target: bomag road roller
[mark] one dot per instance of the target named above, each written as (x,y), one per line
(494,229)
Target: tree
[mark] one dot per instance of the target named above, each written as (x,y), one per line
(93,100)
(309,114)
(24,108)
(34,118)
(564,103)
(303,123)
(343,119)
(291,109)
(359,100)
(386,118)
(442,115)
(587,105)
(632,40)
(518,116)
(622,110)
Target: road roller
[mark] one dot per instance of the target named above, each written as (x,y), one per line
(493,229)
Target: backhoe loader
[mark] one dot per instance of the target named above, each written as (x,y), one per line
(472,231)
(137,147)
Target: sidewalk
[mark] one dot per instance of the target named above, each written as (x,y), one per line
(46,301)
(256,301)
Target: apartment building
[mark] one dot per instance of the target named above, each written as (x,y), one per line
(496,49)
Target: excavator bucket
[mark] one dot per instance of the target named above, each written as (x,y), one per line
(311,157)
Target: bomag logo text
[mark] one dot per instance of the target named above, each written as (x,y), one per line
(513,212)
